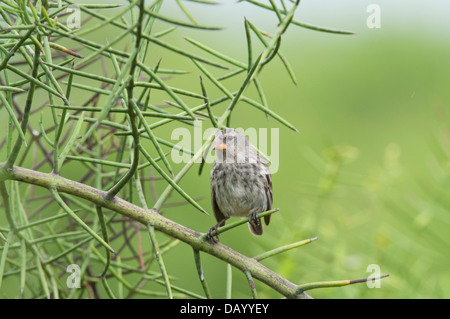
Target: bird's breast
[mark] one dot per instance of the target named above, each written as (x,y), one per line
(238,189)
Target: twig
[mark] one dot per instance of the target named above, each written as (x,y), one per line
(200,273)
(159,259)
(167,226)
(282,249)
(339,283)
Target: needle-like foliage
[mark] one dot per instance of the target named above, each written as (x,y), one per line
(82,155)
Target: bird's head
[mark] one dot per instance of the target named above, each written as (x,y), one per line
(231,145)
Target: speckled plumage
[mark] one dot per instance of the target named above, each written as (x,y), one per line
(241,184)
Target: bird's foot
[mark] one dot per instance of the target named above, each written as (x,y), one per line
(213,234)
(253,217)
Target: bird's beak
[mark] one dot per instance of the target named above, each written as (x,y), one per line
(220,146)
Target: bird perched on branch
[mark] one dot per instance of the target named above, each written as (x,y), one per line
(241,184)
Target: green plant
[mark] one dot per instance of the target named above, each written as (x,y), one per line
(108,146)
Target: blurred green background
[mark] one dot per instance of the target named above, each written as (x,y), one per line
(366,175)
(369,172)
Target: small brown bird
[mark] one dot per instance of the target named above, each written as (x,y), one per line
(241,184)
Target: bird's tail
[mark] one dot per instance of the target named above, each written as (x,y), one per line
(256,227)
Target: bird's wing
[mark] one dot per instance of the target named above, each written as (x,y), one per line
(268,189)
(220,217)
(217,212)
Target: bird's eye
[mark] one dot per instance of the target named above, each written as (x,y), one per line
(228,137)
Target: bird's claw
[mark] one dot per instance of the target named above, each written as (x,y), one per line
(210,236)
(254,217)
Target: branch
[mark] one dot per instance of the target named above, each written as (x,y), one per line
(160,223)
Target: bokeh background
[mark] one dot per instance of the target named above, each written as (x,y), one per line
(369,172)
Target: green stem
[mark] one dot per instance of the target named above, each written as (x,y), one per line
(251,283)
(161,223)
(131,112)
(101,219)
(282,249)
(69,211)
(227,227)
(201,274)
(229,285)
(208,106)
(5,255)
(26,113)
(15,48)
(159,259)
(338,283)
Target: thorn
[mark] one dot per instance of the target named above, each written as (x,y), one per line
(355,281)
(204,211)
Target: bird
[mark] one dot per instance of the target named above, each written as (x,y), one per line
(241,184)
